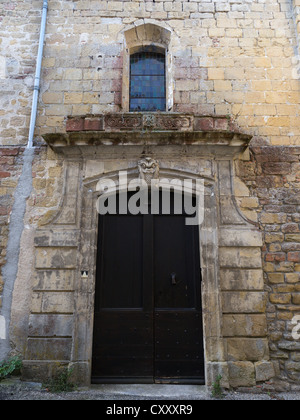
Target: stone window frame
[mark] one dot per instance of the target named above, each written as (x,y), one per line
(136,40)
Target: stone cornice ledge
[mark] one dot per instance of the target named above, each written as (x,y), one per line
(217,135)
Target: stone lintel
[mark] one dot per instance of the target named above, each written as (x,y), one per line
(155,129)
(150,121)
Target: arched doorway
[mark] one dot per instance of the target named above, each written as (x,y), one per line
(148,311)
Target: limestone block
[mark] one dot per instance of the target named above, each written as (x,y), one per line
(247,349)
(49,348)
(239,279)
(240,237)
(34,371)
(73,97)
(281,298)
(52,98)
(36,302)
(264,371)
(296,298)
(93,168)
(53,302)
(81,373)
(251,325)
(293,367)
(56,257)
(45,325)
(214,369)
(241,374)
(240,189)
(274,218)
(73,74)
(243,302)
(63,238)
(228,212)
(216,74)
(214,350)
(61,302)
(277,278)
(240,257)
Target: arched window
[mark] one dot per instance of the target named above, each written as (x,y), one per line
(147,82)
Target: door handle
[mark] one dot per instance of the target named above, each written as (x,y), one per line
(173,277)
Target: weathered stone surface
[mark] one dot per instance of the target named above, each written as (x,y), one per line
(62,238)
(241,374)
(35,370)
(56,258)
(239,237)
(51,325)
(123,122)
(52,302)
(49,349)
(235,325)
(75,124)
(243,302)
(218,369)
(264,371)
(240,257)
(52,279)
(247,349)
(148,122)
(241,279)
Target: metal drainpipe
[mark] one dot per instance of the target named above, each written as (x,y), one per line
(36,87)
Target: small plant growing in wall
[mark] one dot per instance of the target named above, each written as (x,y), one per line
(61,382)
(10,366)
(217,391)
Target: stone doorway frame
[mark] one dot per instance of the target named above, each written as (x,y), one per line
(220,209)
(208,255)
(99,146)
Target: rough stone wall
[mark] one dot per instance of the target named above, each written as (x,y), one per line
(19,34)
(273,180)
(10,170)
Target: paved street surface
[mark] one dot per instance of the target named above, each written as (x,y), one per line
(14,389)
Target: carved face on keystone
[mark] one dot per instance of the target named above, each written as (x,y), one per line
(149,169)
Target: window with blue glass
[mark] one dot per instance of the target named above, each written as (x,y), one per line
(147,82)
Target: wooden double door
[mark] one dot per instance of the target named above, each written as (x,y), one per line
(148,317)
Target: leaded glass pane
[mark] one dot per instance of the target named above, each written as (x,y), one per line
(147,82)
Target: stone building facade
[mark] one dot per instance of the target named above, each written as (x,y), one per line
(231,119)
